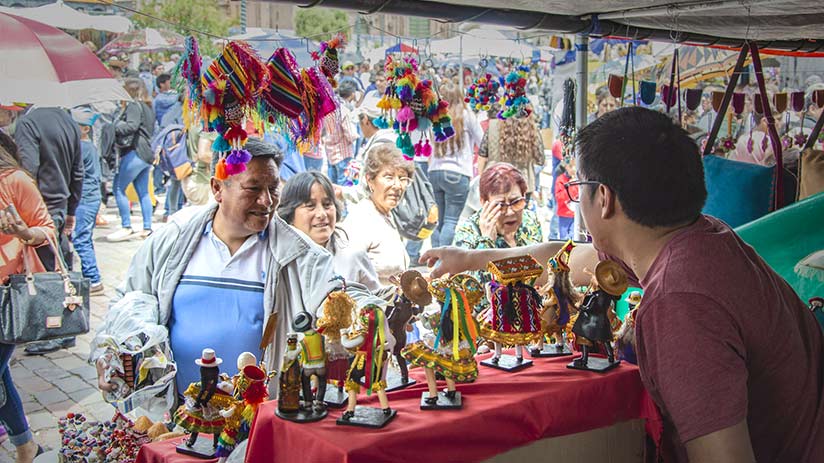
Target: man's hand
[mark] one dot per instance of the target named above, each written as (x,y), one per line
(68,228)
(445,260)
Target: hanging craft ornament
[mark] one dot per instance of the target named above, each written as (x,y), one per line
(483,92)
(780,101)
(669,95)
(738,100)
(566,131)
(818,98)
(797,100)
(648,89)
(283,96)
(328,59)
(717,99)
(514,103)
(692,96)
(187,76)
(758,104)
(231,88)
(615,84)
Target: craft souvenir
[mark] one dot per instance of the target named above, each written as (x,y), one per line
(648,89)
(312,363)
(282,101)
(561,300)
(596,320)
(738,103)
(692,98)
(338,310)
(187,78)
(230,88)
(817,308)
(514,103)
(371,341)
(289,383)
(625,339)
(797,101)
(409,302)
(249,391)
(483,92)
(327,57)
(453,354)
(411,104)
(117,440)
(615,84)
(200,412)
(514,315)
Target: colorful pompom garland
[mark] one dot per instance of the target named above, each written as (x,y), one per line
(483,92)
(514,103)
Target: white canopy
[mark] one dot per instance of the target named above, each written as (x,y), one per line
(480,43)
(62,16)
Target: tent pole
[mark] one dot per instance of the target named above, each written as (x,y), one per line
(778,192)
(460,64)
(725,103)
(582,77)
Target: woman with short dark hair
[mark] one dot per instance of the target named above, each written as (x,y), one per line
(308,203)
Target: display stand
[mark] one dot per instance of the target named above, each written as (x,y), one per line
(443,403)
(204,448)
(335,398)
(508,363)
(596,364)
(368,417)
(550,350)
(302,416)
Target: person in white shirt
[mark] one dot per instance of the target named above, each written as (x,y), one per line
(451,165)
(369,224)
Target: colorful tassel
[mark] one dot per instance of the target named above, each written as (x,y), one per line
(220,170)
(220,144)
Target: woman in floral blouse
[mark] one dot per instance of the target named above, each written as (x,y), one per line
(503,221)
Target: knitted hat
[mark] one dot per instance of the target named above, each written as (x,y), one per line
(302,322)
(283,94)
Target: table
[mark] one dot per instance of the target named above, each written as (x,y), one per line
(502,411)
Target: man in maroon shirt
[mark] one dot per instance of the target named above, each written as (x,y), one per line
(726,348)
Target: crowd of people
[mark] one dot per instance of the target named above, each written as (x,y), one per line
(224,238)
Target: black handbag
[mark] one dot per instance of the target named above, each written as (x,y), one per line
(43,306)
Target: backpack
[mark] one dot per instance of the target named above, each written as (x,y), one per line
(417,213)
(169,146)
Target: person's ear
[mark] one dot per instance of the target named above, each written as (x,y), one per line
(608,202)
(218,187)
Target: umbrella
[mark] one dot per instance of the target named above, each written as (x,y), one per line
(145,40)
(45,66)
(63,16)
(266,41)
(401,48)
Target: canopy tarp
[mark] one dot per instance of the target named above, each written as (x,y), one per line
(62,16)
(481,43)
(786,237)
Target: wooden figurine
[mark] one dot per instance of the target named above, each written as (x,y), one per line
(453,355)
(249,391)
(409,302)
(312,363)
(513,318)
(560,303)
(290,379)
(596,321)
(200,412)
(371,341)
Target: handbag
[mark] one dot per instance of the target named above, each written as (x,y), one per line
(43,306)
(416,216)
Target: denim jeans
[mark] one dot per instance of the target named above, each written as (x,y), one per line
(451,190)
(85,216)
(11,413)
(313,163)
(335,171)
(133,170)
(565,225)
(413,248)
(174,196)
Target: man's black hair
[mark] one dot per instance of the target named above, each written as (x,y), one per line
(163,78)
(651,164)
(346,89)
(259,148)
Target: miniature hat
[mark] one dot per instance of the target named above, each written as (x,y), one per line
(208,359)
(244,359)
(634,298)
(302,322)
(813,300)
(648,89)
(615,84)
(472,288)
(415,288)
(611,278)
(693,98)
(291,338)
(738,100)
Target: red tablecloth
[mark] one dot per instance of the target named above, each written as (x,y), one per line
(501,411)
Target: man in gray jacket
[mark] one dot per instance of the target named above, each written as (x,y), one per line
(232,276)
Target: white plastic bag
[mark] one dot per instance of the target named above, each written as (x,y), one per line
(131,328)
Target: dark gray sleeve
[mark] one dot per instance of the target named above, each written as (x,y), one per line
(76,181)
(130,123)
(27,138)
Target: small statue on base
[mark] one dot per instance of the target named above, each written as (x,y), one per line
(338,310)
(201,409)
(249,391)
(560,303)
(409,302)
(453,355)
(289,382)
(313,363)
(371,341)
(513,318)
(596,321)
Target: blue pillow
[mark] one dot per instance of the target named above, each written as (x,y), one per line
(737,192)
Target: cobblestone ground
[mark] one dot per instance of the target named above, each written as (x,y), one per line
(54,384)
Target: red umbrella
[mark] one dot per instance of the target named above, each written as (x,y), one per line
(145,40)
(44,66)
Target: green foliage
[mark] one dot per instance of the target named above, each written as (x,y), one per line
(201,15)
(320,24)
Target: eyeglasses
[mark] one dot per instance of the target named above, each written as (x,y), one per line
(517,205)
(575,193)
(391,179)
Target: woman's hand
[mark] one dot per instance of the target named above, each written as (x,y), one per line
(12,224)
(488,220)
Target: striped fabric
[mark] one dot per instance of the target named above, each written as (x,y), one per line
(283,94)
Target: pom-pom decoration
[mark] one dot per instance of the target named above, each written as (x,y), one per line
(327,58)
(186,75)
(483,92)
(514,103)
